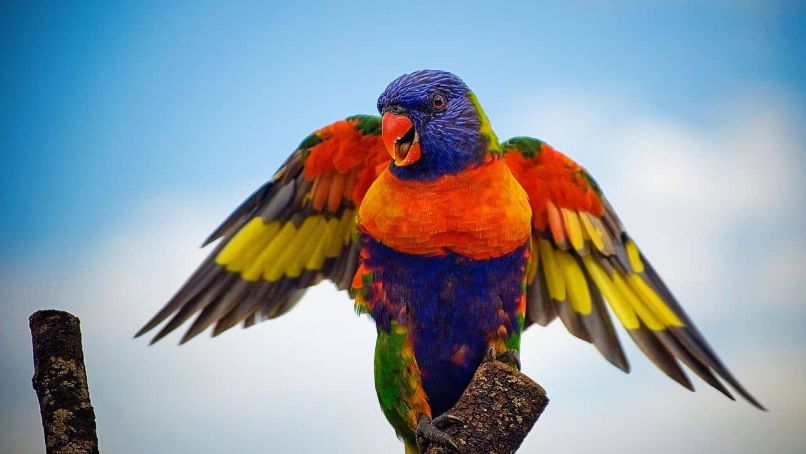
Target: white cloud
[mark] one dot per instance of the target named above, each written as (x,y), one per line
(304,382)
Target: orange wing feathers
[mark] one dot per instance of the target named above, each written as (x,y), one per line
(553,182)
(344,164)
(292,232)
(582,258)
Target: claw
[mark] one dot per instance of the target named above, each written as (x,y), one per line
(489,356)
(511,357)
(428,432)
(445,420)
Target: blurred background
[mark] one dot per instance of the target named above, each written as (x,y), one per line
(129,130)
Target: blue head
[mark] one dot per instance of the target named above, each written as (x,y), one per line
(433,125)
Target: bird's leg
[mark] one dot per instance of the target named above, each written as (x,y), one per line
(430,431)
(510,357)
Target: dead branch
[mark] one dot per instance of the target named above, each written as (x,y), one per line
(60,381)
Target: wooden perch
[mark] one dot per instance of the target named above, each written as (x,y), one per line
(498,408)
(60,381)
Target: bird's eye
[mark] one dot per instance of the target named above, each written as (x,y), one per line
(438,102)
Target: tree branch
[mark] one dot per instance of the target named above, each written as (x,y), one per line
(498,408)
(60,381)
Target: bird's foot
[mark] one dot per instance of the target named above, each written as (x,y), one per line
(431,431)
(510,357)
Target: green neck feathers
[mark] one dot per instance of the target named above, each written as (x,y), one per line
(486,130)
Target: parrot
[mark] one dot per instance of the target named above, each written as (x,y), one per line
(452,242)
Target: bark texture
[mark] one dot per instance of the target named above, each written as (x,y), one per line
(498,408)
(60,381)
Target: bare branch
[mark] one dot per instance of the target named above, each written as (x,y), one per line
(60,381)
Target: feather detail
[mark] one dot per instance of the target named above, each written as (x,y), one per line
(336,192)
(540,308)
(551,271)
(573,229)
(321,192)
(289,234)
(591,233)
(576,284)
(556,225)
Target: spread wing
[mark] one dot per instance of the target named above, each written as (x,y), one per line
(291,233)
(582,257)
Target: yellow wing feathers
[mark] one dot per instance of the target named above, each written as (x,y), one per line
(294,231)
(578,229)
(273,250)
(630,297)
(596,263)
(576,287)
(634,256)
(583,262)
(573,228)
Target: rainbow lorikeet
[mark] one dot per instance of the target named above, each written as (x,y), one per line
(451,241)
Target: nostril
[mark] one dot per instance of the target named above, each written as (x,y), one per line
(395,109)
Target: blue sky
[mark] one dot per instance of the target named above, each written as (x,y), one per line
(104,103)
(129,130)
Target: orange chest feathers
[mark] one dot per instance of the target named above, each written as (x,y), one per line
(480,213)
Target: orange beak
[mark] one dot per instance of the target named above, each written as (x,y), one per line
(400,138)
